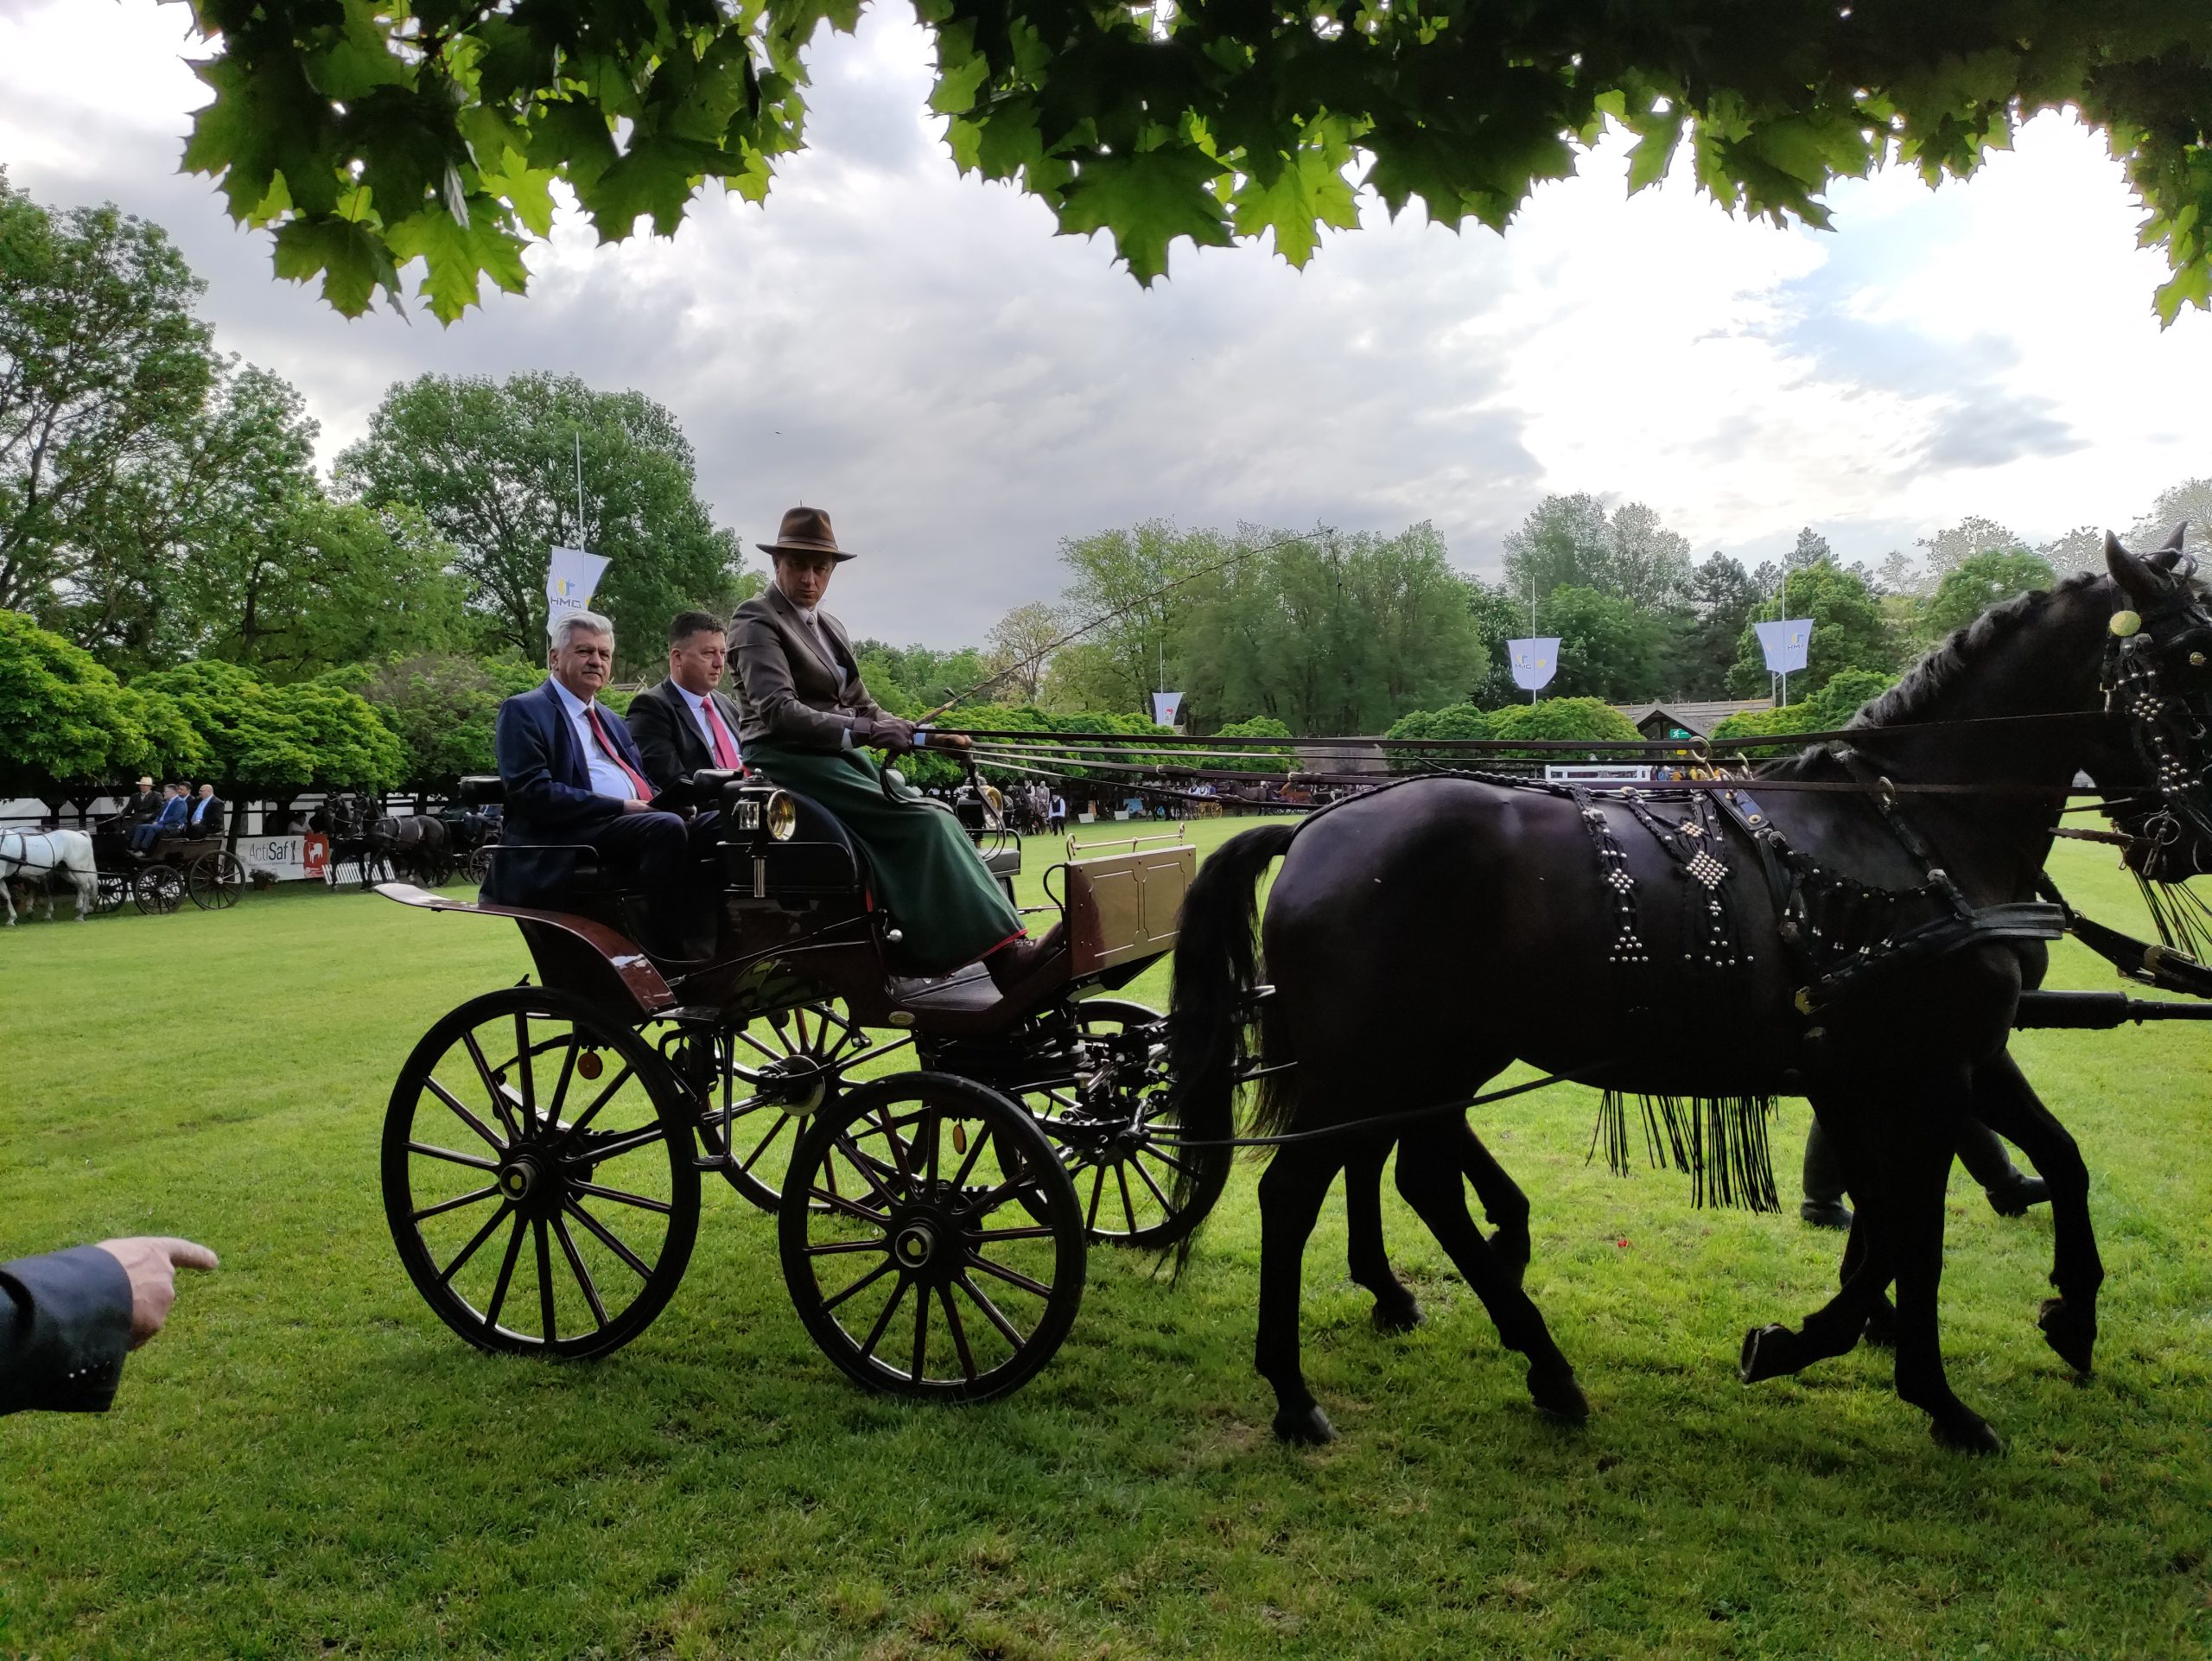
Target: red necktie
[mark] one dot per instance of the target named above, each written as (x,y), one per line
(644,790)
(725,751)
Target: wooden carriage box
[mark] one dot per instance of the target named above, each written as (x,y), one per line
(1122,906)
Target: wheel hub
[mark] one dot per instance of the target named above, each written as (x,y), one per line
(797,1084)
(925,1241)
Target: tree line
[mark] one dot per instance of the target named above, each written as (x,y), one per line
(186,593)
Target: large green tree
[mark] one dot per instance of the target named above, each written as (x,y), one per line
(441,707)
(1608,648)
(1333,633)
(366,134)
(492,466)
(1137,586)
(66,720)
(1977,582)
(1720,601)
(308,734)
(1572,541)
(103,368)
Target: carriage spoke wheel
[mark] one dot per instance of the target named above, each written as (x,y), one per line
(1107,1125)
(215,881)
(538,1176)
(115,888)
(931,1239)
(158,890)
(773,1074)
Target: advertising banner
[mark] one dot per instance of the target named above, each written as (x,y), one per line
(570,576)
(1535,662)
(292,859)
(1165,706)
(1785,644)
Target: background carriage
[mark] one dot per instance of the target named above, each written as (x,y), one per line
(937,1161)
(159,879)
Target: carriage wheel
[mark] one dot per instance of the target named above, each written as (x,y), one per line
(931,1239)
(773,1073)
(479,865)
(215,881)
(538,1176)
(115,888)
(158,890)
(1124,1173)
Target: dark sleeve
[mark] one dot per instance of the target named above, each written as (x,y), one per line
(65,1327)
(652,729)
(765,670)
(526,770)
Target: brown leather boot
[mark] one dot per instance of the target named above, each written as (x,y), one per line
(1021,967)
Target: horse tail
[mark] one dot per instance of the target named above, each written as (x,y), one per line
(1217,969)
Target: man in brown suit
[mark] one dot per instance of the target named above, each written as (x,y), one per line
(805,717)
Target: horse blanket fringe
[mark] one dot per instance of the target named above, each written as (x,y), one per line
(1721,1140)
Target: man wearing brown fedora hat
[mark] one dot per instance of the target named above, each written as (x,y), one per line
(805,717)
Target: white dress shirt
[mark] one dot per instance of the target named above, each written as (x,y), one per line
(697,701)
(608,778)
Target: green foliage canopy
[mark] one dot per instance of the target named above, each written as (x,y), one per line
(1977,582)
(365,134)
(311,733)
(1609,648)
(491,466)
(65,719)
(1848,633)
(441,707)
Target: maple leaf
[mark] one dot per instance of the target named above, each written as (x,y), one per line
(1310,191)
(1147,200)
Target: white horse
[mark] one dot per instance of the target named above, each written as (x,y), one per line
(36,856)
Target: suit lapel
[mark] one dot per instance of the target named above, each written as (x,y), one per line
(795,629)
(564,736)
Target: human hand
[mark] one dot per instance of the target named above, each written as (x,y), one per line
(893,734)
(633,806)
(152,1261)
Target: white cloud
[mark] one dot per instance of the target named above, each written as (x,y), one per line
(919,353)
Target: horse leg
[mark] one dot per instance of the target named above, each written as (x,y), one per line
(1396,1309)
(1834,1328)
(2007,1103)
(1922,1138)
(1504,1205)
(8,896)
(1429,1177)
(1291,1191)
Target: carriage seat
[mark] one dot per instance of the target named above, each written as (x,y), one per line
(479,791)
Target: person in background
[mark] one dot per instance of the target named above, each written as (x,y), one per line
(167,823)
(145,805)
(205,818)
(68,1317)
(687,724)
(2010,1190)
(1059,818)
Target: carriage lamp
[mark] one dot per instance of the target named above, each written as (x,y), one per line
(782,817)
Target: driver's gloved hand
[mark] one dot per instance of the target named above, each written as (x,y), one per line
(893,734)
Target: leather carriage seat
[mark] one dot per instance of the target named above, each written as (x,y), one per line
(482,790)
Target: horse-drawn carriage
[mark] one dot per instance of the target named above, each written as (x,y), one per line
(937,1158)
(159,879)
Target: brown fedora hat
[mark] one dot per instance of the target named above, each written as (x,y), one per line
(805,531)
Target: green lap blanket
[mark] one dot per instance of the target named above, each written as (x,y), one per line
(927,874)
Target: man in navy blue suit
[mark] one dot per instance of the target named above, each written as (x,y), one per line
(574,777)
(169,821)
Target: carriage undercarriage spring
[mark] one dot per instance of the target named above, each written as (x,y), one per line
(938,1162)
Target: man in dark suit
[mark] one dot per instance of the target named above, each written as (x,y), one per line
(573,778)
(67,1319)
(144,805)
(205,818)
(168,822)
(686,724)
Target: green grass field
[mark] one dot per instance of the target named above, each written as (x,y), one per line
(306,1463)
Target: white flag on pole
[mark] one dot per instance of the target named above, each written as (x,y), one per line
(1785,644)
(1165,706)
(1535,662)
(570,576)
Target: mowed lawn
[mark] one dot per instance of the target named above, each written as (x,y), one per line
(306,1463)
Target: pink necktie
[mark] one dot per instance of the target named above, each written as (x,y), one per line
(645,791)
(725,752)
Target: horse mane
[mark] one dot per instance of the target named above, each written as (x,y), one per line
(1935,673)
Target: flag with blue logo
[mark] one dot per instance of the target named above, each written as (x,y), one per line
(1535,662)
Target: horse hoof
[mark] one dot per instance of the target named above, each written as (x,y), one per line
(1303,1427)
(1882,1325)
(2072,1336)
(1557,1396)
(1965,1432)
(1768,1353)
(1398,1317)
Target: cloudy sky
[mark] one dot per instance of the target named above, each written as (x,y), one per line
(962,389)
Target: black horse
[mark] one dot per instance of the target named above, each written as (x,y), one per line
(1465,907)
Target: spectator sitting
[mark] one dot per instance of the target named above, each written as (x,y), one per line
(169,821)
(145,805)
(205,818)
